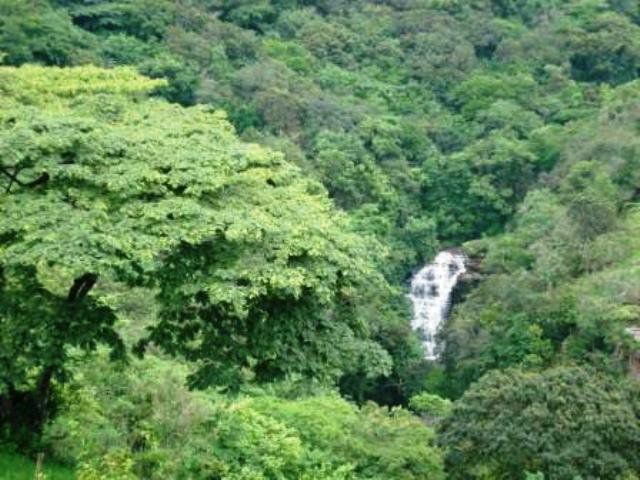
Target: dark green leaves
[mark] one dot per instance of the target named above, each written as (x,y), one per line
(565,422)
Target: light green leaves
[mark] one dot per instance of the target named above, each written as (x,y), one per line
(255,268)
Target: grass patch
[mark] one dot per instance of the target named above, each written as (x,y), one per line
(17,467)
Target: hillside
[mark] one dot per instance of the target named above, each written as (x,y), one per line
(211,210)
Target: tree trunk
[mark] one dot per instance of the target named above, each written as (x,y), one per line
(43,395)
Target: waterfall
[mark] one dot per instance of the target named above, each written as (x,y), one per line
(430,294)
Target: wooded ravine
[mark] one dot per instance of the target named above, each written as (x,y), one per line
(319,239)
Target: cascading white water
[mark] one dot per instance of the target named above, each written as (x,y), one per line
(430,294)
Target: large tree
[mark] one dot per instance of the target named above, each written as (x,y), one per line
(255,270)
(566,422)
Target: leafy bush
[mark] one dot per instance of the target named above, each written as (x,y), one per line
(429,406)
(564,422)
(142,421)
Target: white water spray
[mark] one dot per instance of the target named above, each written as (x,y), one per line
(431,290)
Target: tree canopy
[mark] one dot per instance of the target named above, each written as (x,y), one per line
(566,422)
(252,266)
(228,198)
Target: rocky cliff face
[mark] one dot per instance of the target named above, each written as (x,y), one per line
(469,280)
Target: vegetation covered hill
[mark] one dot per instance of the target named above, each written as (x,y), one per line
(236,191)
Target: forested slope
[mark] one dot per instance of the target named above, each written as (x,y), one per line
(237,191)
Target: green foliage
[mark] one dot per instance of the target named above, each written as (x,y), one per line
(360,87)
(36,32)
(181,79)
(292,54)
(566,423)
(130,220)
(257,274)
(112,466)
(362,438)
(591,199)
(430,407)
(348,170)
(249,14)
(606,49)
(16,467)
(480,91)
(561,284)
(145,19)
(142,420)
(491,176)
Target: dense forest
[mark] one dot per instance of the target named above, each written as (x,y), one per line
(211,210)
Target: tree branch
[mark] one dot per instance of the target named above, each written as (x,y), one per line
(43,394)
(13,178)
(41,180)
(81,287)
